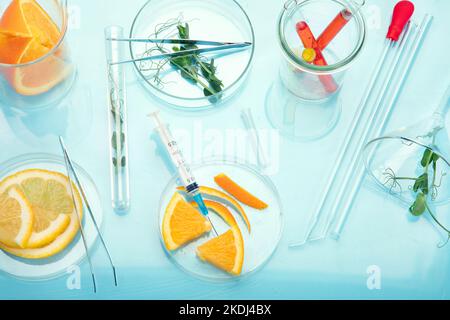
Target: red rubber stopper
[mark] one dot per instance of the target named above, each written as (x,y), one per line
(402,13)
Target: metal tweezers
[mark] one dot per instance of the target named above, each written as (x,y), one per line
(217,46)
(72,176)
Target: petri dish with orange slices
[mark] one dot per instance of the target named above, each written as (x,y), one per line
(51,244)
(245,210)
(35,65)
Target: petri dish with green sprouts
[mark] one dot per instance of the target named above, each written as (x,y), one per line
(200,81)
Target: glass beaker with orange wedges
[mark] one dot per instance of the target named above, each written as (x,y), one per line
(35,65)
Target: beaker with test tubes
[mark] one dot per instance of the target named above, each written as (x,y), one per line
(319,41)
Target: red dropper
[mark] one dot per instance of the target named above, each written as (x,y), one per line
(402,13)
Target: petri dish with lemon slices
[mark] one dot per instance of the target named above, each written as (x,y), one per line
(38,222)
(245,210)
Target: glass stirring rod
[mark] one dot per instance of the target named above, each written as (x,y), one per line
(184,171)
(401,15)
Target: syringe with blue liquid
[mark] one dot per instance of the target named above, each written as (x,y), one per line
(184,171)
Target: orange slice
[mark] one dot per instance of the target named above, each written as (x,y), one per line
(12,46)
(182,223)
(28,17)
(41,77)
(33,51)
(13,18)
(225,252)
(245,197)
(220,196)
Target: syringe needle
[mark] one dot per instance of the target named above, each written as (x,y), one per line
(212,225)
(203,209)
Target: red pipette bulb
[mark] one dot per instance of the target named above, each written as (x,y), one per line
(402,13)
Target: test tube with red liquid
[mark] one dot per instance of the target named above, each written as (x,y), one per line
(335,26)
(308,40)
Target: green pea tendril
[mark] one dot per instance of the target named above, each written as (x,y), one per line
(425,189)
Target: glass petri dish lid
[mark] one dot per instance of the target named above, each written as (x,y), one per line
(74,253)
(224,21)
(266,225)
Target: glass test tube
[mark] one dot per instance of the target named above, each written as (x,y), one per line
(330,32)
(306,36)
(117,115)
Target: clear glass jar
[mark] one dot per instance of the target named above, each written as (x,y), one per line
(46,80)
(319,40)
(309,80)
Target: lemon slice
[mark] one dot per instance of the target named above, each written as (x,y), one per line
(50,198)
(58,245)
(16,218)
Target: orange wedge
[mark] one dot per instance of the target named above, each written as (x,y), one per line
(13,19)
(225,252)
(41,77)
(12,46)
(182,223)
(220,196)
(28,17)
(245,197)
(36,35)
